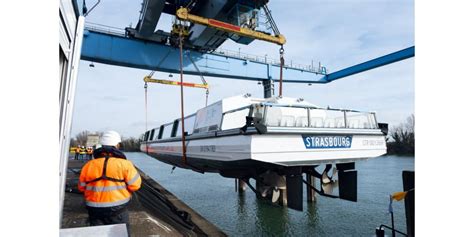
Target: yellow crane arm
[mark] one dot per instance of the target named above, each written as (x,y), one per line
(183,14)
(175,83)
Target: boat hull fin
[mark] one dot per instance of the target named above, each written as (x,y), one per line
(348,185)
(294,186)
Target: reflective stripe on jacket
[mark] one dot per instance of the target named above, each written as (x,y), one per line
(108,193)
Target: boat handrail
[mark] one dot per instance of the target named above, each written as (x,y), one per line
(311,107)
(295,106)
(238,109)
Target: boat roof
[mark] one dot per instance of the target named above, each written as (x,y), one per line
(239,101)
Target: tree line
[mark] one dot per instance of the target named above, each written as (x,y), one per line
(128,144)
(401,139)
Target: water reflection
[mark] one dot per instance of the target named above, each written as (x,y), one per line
(312,214)
(314,223)
(241,206)
(271,219)
(243,214)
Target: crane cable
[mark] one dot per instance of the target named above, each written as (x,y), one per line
(146,114)
(274,27)
(200,75)
(282,63)
(204,82)
(183,139)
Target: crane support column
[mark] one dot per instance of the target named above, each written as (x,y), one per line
(149,17)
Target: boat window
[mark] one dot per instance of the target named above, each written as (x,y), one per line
(167,129)
(160,134)
(146,136)
(177,132)
(286,116)
(189,124)
(322,118)
(316,117)
(175,128)
(151,134)
(208,118)
(361,120)
(235,119)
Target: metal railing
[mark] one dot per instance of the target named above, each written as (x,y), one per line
(105,29)
(221,52)
(268,60)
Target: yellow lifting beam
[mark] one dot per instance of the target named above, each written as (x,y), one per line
(183,14)
(175,83)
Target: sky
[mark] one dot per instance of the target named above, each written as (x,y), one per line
(338,33)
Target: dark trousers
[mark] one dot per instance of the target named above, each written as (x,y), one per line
(109,216)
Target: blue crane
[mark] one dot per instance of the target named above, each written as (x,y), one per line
(143,47)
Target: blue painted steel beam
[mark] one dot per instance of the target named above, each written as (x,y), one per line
(371,64)
(118,50)
(122,51)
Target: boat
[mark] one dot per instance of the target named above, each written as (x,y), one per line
(270,140)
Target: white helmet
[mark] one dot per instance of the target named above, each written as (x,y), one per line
(110,138)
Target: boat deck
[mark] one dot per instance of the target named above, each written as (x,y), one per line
(153,210)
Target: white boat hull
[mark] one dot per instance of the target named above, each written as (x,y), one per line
(278,149)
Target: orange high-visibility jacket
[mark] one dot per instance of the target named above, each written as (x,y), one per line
(115,188)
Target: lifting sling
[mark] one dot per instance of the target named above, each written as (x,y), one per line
(282,63)
(183,138)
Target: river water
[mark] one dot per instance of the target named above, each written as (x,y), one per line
(214,197)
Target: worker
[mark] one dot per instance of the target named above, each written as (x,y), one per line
(77,152)
(86,153)
(108,181)
(83,152)
(89,153)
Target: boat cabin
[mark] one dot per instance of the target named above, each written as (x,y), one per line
(276,114)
